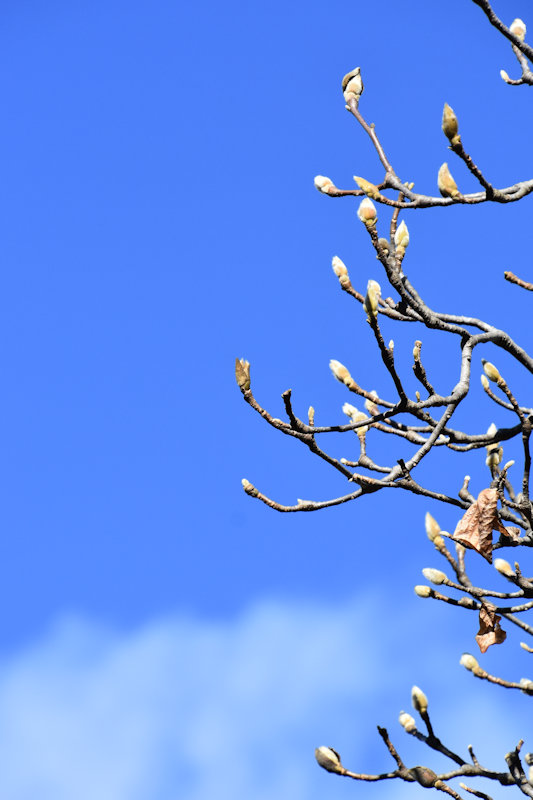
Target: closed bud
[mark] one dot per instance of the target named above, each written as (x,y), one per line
(492,430)
(338,266)
(391,345)
(504,568)
(423,591)
(339,371)
(434,575)
(419,700)
(329,759)
(518,27)
(504,76)
(323,184)
(432,527)
(424,776)
(494,457)
(450,125)
(401,237)
(384,244)
(447,185)
(526,685)
(367,212)
(371,407)
(368,188)
(485,382)
(491,372)
(373,293)
(469,662)
(352,85)
(407,722)
(242,374)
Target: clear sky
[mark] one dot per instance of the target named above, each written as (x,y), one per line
(165,636)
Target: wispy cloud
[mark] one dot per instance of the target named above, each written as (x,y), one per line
(194,710)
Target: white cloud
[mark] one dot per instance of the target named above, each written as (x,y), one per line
(196,710)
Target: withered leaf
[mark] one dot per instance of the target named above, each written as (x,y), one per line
(475,528)
(489,629)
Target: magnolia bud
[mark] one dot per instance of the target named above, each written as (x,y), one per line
(492,430)
(450,125)
(494,457)
(373,293)
(469,662)
(323,184)
(526,647)
(526,684)
(419,700)
(339,371)
(485,382)
(384,244)
(504,568)
(329,759)
(352,85)
(407,722)
(434,575)
(490,371)
(401,237)
(447,185)
(242,374)
(368,188)
(367,212)
(518,27)
(391,345)
(423,591)
(432,527)
(339,267)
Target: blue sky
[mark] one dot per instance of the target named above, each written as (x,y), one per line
(158,218)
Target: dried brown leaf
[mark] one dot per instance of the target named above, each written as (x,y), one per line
(475,528)
(490,631)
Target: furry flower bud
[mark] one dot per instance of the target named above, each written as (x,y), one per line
(373,293)
(352,85)
(447,185)
(432,527)
(339,267)
(436,576)
(450,125)
(242,374)
(368,188)
(422,591)
(491,372)
(367,212)
(407,721)
(504,568)
(469,662)
(419,700)
(323,184)
(329,759)
(401,237)
(339,371)
(518,27)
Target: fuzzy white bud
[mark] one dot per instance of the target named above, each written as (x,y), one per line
(485,382)
(401,237)
(352,85)
(492,430)
(469,662)
(407,721)
(338,266)
(450,125)
(432,527)
(526,684)
(367,212)
(518,27)
(323,184)
(447,185)
(339,371)
(328,759)
(504,568)
(373,293)
(422,591)
(436,576)
(419,700)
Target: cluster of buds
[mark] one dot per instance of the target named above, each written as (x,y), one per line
(450,125)
(352,85)
(447,185)
(340,270)
(494,450)
(373,293)
(367,212)
(324,184)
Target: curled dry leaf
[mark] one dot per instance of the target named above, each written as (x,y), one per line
(475,528)
(490,631)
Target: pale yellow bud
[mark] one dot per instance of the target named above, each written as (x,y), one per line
(518,27)
(419,700)
(391,345)
(373,293)
(434,575)
(469,662)
(349,410)
(504,568)
(447,185)
(494,457)
(432,527)
(323,184)
(438,541)
(368,188)
(338,266)
(339,371)
(367,212)
(504,76)
(450,125)
(329,759)
(491,372)
(371,407)
(526,684)
(526,647)
(242,374)
(352,85)
(485,382)
(407,721)
(423,591)
(401,237)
